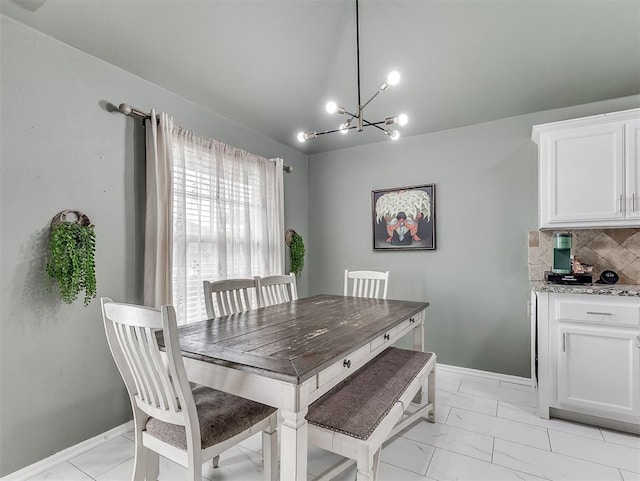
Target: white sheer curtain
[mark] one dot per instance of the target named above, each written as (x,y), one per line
(158,221)
(228,218)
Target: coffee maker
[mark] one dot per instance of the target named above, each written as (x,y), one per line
(561,253)
(562,268)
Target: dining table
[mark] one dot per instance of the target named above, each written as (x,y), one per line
(288,355)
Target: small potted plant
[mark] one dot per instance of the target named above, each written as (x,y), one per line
(297,250)
(71,260)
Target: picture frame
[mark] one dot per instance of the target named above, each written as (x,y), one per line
(403,218)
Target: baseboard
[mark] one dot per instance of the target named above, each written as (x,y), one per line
(34,469)
(465,371)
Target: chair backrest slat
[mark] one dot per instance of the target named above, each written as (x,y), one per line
(160,389)
(372,284)
(274,290)
(231,296)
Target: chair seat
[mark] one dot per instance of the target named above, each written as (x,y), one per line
(358,404)
(221,417)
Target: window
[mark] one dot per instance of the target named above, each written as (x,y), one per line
(227,218)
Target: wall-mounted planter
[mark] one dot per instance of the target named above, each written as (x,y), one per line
(71,260)
(296,249)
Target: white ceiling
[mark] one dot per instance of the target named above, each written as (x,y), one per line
(272,64)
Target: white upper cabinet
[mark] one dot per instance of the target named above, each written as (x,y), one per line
(589,172)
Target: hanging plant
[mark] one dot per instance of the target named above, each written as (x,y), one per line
(72,256)
(297,250)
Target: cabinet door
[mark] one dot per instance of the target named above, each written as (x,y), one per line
(599,370)
(632,163)
(582,176)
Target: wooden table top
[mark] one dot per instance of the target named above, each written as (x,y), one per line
(296,340)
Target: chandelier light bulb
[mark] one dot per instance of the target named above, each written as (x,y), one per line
(301,137)
(403,119)
(394,134)
(331,107)
(344,128)
(393,78)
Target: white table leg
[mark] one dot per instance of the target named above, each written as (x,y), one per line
(293,446)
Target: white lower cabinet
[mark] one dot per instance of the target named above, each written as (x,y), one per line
(589,355)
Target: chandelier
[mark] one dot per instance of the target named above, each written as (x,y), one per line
(357,120)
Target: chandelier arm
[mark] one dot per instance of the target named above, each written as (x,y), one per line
(334,130)
(372,97)
(374,124)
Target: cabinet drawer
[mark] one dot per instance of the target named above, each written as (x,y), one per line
(601,311)
(350,362)
(386,338)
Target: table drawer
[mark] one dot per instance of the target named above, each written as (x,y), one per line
(407,325)
(348,363)
(620,311)
(386,338)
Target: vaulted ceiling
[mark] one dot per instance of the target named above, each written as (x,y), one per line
(271,65)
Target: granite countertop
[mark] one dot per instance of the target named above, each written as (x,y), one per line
(629,290)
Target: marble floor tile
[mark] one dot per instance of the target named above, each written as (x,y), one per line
(517,396)
(448,383)
(549,465)
(407,454)
(62,472)
(106,456)
(442,411)
(318,460)
(515,431)
(448,466)
(629,476)
(467,401)
(253,443)
(616,455)
(454,439)
(389,472)
(617,437)
(529,415)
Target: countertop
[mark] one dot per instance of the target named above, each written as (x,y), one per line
(628,290)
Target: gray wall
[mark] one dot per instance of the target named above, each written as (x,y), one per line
(62,149)
(486,202)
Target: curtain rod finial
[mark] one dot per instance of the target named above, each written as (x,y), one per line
(125,109)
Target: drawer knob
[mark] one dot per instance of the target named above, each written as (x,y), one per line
(412,320)
(347,363)
(387,337)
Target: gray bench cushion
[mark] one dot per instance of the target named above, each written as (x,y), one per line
(221,417)
(358,404)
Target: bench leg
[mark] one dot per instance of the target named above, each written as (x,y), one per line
(431,396)
(418,345)
(368,468)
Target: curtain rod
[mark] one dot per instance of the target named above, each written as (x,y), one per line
(127,109)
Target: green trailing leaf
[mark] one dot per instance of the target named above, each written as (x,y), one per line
(297,253)
(72,260)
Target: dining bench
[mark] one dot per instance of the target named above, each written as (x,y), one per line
(358,415)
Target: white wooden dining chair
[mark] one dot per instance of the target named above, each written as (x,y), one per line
(229,296)
(186,424)
(276,289)
(372,284)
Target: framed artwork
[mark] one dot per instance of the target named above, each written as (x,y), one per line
(404,218)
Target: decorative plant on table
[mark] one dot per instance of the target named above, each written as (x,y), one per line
(297,250)
(71,259)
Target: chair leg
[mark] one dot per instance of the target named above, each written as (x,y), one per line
(194,469)
(270,450)
(153,465)
(140,452)
(215,461)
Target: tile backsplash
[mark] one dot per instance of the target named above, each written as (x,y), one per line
(606,249)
